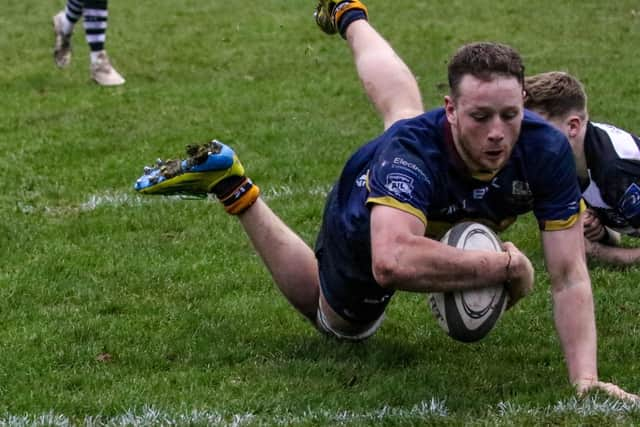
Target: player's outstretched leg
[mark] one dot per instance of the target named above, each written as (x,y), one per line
(215,168)
(209,168)
(334,16)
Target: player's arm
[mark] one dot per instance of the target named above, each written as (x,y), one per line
(387,80)
(572,299)
(612,254)
(573,308)
(404,259)
(601,242)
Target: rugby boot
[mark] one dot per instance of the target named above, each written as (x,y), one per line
(329,14)
(209,168)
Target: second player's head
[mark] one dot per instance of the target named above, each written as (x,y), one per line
(555,95)
(561,99)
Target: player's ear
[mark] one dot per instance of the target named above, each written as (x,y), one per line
(450,109)
(574,124)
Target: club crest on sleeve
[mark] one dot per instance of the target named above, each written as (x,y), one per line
(400,185)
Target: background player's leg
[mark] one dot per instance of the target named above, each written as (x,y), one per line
(63,23)
(96,18)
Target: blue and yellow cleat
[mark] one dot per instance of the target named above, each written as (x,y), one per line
(205,167)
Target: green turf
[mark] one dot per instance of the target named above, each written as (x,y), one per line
(113,304)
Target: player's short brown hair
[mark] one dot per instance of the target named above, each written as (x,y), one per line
(556,93)
(484,60)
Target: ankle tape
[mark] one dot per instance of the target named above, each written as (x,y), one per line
(241,198)
(347,12)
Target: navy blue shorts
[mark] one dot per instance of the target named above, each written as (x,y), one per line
(345,273)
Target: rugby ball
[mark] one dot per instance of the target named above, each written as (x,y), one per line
(470,315)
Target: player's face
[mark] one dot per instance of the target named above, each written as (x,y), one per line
(485,120)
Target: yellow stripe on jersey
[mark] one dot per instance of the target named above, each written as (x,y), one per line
(485,175)
(406,207)
(563,224)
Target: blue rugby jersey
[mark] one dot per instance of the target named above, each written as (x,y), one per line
(414,167)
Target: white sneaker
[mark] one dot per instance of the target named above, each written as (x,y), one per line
(103,73)
(62,48)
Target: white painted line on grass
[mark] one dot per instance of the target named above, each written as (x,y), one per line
(433,409)
(582,407)
(94,201)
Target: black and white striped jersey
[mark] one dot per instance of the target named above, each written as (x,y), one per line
(613,160)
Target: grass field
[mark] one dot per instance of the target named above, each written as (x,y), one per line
(122,310)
